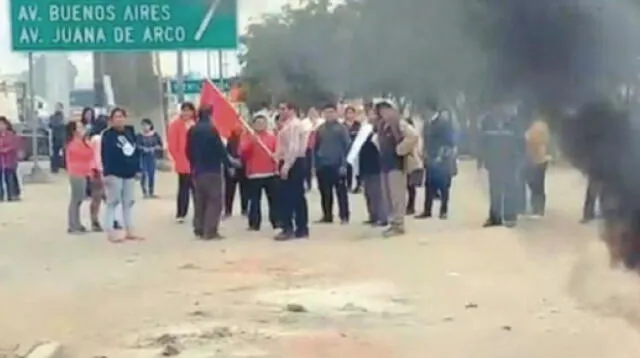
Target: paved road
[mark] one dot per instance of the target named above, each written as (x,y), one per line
(447,289)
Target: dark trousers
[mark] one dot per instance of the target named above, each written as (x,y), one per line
(536,175)
(148,171)
(358,180)
(437,185)
(57,160)
(330,180)
(309,168)
(521,190)
(411,198)
(503,195)
(185,189)
(231,183)
(9,189)
(255,188)
(293,201)
(208,204)
(593,195)
(376,206)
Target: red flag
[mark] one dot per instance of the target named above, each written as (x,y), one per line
(225,117)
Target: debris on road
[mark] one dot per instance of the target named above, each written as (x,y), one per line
(170,350)
(296,308)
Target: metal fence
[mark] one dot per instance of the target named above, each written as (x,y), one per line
(43,143)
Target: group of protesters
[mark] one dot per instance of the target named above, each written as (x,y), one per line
(347,149)
(282,162)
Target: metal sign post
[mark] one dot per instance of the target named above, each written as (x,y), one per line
(37,175)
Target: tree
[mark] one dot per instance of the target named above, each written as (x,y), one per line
(297,54)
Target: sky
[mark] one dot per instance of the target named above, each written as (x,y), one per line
(195,61)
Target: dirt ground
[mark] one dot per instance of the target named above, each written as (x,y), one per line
(447,289)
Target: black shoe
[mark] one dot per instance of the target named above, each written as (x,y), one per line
(117,226)
(96,227)
(369,222)
(491,223)
(324,221)
(199,234)
(304,234)
(410,211)
(444,216)
(285,236)
(215,236)
(380,224)
(253,228)
(424,215)
(357,190)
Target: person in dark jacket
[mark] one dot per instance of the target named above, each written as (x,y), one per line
(150,145)
(235,180)
(208,159)
(121,165)
(353,127)
(57,128)
(369,170)
(440,164)
(502,152)
(331,147)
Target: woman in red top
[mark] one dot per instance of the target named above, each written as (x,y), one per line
(9,146)
(81,163)
(256,153)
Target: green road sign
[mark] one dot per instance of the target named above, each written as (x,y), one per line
(192,86)
(123,25)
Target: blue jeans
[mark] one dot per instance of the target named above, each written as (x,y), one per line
(9,185)
(119,191)
(148,179)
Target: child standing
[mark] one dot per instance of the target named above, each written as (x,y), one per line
(256,152)
(149,144)
(80,163)
(9,145)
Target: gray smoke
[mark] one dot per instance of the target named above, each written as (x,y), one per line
(576,54)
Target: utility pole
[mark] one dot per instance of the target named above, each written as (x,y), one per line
(209,64)
(220,66)
(180,76)
(98,80)
(37,174)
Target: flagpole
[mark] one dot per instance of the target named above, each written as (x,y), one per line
(245,124)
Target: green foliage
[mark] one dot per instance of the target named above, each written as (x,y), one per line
(414,49)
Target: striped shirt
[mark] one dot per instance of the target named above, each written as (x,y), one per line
(292,142)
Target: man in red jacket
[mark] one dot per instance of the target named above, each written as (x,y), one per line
(256,153)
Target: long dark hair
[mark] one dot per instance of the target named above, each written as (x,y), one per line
(86,110)
(7,123)
(70,131)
